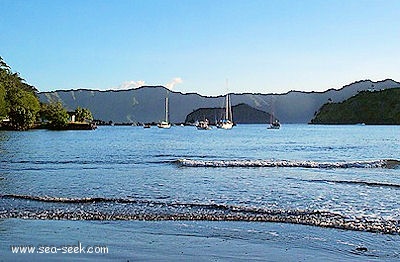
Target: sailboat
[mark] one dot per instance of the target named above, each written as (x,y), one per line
(274,124)
(165,124)
(203,125)
(227,122)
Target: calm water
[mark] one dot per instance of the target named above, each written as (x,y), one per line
(331,176)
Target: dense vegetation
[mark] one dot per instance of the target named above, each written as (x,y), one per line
(20,108)
(369,107)
(18,100)
(242,114)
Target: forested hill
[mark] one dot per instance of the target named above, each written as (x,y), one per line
(242,114)
(369,107)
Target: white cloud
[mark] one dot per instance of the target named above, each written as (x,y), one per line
(175,81)
(135,84)
(130,84)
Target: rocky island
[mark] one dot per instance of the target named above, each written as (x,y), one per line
(242,114)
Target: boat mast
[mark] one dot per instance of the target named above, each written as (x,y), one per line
(166,108)
(226,107)
(230,110)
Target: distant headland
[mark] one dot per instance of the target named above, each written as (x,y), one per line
(367,107)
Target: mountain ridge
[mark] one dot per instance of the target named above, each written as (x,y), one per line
(206,96)
(146,103)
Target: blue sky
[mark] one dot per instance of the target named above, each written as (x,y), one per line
(262,46)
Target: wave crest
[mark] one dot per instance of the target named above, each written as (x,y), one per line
(384,163)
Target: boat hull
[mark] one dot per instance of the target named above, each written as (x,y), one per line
(226,125)
(164,125)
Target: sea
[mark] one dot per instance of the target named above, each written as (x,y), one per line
(299,193)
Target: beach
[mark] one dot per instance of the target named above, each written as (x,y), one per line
(196,241)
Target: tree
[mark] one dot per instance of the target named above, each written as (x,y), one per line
(3,106)
(18,99)
(23,109)
(83,114)
(21,118)
(56,114)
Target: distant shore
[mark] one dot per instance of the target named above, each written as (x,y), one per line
(70,126)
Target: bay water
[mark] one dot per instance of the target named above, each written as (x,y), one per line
(300,192)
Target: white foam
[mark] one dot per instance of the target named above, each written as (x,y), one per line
(281,163)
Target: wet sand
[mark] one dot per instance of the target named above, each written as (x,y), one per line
(196,241)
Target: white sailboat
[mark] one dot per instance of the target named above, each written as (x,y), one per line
(227,122)
(165,124)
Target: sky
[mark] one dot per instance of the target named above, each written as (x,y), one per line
(210,47)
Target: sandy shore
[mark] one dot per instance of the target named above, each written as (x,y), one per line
(194,241)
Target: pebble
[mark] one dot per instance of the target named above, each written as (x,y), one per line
(314,218)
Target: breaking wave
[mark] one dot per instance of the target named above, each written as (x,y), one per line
(99,208)
(384,163)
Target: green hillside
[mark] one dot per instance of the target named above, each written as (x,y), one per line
(369,107)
